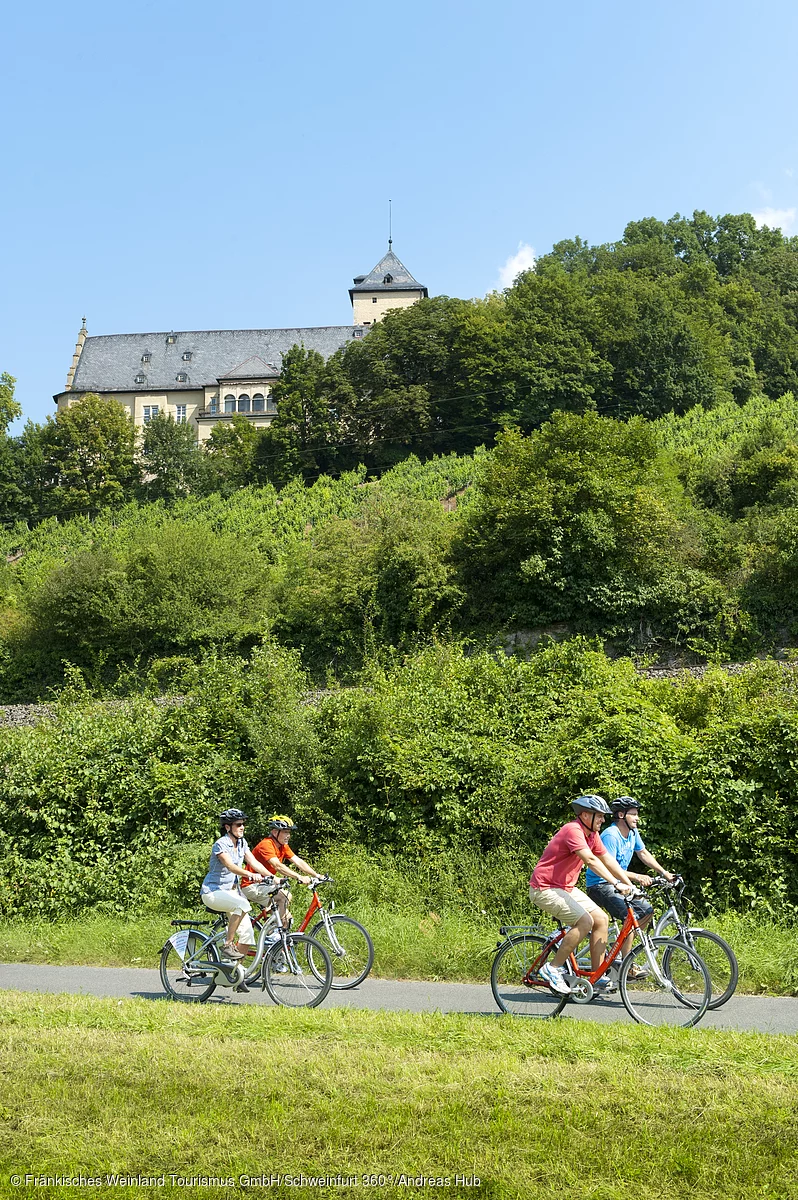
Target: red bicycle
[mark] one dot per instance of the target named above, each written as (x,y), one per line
(661,982)
(348,944)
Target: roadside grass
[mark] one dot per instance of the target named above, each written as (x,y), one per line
(547,1109)
(410,943)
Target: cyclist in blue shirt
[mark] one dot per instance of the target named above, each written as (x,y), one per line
(622,840)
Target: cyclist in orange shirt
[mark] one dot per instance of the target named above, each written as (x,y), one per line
(274,853)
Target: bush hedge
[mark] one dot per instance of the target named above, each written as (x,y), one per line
(451,751)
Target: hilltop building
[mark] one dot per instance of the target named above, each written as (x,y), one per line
(202,378)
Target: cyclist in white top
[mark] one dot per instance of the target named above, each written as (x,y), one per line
(220,889)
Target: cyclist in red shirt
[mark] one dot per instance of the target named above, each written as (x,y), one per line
(552,887)
(274,853)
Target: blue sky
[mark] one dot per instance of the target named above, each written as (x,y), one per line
(197,166)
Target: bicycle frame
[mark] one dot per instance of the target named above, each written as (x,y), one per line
(226,974)
(314,907)
(329,927)
(630,925)
(675,912)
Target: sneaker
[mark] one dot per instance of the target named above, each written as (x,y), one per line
(555,978)
(242,987)
(280,966)
(232,952)
(603,986)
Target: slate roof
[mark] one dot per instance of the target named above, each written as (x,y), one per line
(110,363)
(389,264)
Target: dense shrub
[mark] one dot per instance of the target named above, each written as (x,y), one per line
(448,753)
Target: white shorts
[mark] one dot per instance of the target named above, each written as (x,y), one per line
(566,907)
(232,902)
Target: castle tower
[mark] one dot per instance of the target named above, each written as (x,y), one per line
(388,285)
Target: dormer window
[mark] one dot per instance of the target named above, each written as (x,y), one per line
(357,333)
(388,279)
(146,356)
(187,356)
(171,339)
(181,377)
(141,379)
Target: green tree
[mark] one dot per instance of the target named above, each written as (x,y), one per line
(231,451)
(302,438)
(550,352)
(89,457)
(11,496)
(173,465)
(577,522)
(410,393)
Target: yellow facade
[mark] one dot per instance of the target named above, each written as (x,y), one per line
(201,408)
(370,307)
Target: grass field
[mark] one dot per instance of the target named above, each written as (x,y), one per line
(545,1110)
(410,944)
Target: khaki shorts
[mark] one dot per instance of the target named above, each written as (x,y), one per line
(566,907)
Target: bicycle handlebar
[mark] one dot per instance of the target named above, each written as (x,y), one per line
(669,885)
(633,893)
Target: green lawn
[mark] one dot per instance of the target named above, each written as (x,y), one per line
(543,1110)
(410,944)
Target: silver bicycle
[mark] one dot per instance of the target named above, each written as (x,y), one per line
(676,922)
(295,969)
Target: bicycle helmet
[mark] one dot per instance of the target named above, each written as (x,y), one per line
(281,823)
(591,803)
(622,805)
(229,816)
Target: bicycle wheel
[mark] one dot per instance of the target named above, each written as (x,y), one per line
(351,951)
(676,993)
(293,983)
(513,994)
(720,959)
(194,984)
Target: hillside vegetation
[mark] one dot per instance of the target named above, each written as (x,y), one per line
(672,534)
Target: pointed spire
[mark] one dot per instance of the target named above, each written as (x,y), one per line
(82,335)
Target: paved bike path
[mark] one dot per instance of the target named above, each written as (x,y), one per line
(768,1014)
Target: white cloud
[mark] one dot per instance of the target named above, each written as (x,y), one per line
(522,260)
(776,218)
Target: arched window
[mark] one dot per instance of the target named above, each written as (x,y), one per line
(257,402)
(243,403)
(229,403)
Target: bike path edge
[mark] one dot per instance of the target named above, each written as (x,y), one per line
(766,1014)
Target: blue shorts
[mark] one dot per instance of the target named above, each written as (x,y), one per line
(614,903)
